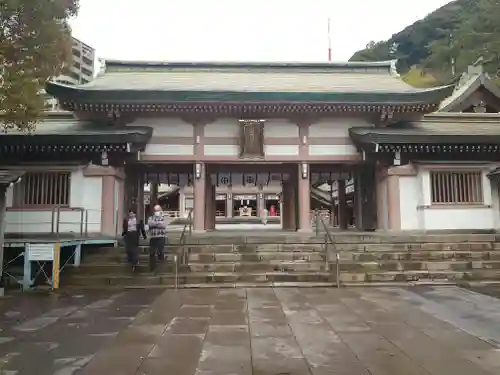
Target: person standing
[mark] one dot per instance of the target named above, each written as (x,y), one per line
(132,230)
(157,237)
(264,216)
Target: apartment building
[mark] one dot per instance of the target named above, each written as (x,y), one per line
(81,71)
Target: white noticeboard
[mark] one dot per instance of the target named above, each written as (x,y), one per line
(40,252)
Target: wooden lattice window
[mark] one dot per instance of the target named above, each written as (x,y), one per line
(252,138)
(449,187)
(43,189)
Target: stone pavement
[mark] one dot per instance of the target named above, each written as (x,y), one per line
(309,331)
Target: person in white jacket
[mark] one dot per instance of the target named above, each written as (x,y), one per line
(157,237)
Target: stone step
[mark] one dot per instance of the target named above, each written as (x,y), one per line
(255,257)
(405,247)
(215,257)
(347,256)
(419,275)
(356,247)
(292,266)
(342,237)
(417,255)
(226,248)
(269,284)
(195,278)
(262,266)
(450,265)
(346,278)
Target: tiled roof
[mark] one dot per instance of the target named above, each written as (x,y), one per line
(254,78)
(438,127)
(469,83)
(353,82)
(64,123)
(64,127)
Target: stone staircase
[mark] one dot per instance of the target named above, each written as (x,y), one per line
(263,264)
(446,259)
(291,260)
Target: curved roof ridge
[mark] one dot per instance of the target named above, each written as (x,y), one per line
(389,64)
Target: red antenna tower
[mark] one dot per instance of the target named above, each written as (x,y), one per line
(329,42)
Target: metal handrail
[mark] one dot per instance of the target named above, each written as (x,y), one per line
(84,218)
(329,238)
(188,228)
(56,214)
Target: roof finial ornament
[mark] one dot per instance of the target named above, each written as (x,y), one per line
(479,61)
(480,107)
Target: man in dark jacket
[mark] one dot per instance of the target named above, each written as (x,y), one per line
(132,229)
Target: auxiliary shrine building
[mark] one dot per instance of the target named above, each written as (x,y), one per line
(233,139)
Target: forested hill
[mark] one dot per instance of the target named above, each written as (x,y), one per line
(461,31)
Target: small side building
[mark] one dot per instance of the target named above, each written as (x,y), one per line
(72,178)
(442,168)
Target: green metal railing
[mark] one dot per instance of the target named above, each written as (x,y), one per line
(329,241)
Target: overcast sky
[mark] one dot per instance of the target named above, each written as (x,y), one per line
(256,30)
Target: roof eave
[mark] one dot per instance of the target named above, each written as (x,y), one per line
(10,176)
(369,139)
(136,138)
(82,95)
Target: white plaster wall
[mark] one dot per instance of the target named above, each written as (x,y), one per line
(281,150)
(409,193)
(166,127)
(169,150)
(459,218)
(336,127)
(416,192)
(85,192)
(225,127)
(495,201)
(221,150)
(328,150)
(280,128)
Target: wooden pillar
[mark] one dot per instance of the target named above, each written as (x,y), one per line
(140,197)
(261,203)
(365,198)
(199,192)
(290,206)
(287,212)
(342,206)
(153,194)
(210,204)
(303,198)
(229,205)
(358,201)
(131,186)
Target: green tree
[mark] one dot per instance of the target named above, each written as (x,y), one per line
(35,45)
(477,35)
(418,78)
